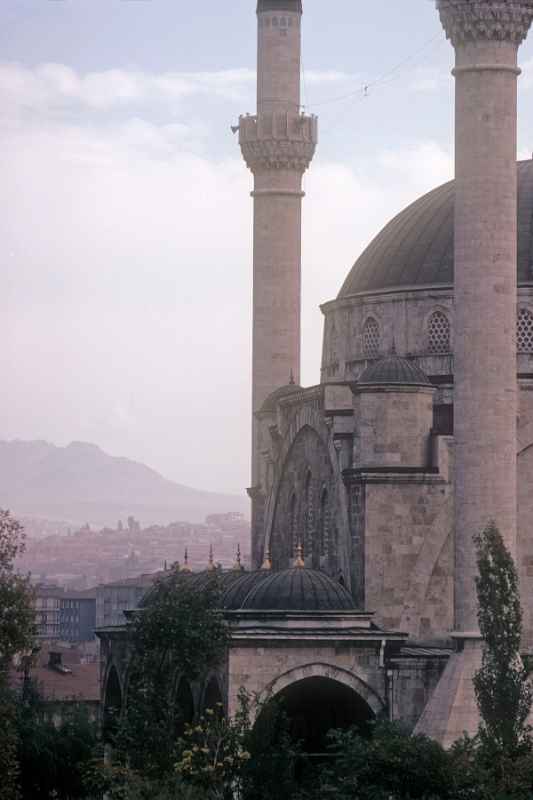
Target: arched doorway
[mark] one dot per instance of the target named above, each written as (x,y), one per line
(318,704)
(112,704)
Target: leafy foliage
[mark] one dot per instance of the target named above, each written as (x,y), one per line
(503,692)
(234,759)
(388,765)
(9,742)
(53,757)
(478,775)
(17,628)
(179,631)
(17,616)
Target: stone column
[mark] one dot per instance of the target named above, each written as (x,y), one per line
(486,35)
(277,145)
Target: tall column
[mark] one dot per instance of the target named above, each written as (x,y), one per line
(277,145)
(486,35)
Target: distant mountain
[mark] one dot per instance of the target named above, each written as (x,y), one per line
(80,483)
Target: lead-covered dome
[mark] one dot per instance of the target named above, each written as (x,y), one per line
(298,589)
(416,247)
(393,370)
(269,405)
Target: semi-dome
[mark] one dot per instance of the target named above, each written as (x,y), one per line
(393,370)
(416,247)
(298,589)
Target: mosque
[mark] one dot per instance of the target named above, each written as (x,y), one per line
(367,489)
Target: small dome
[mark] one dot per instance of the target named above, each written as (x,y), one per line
(270,403)
(298,589)
(393,370)
(237,592)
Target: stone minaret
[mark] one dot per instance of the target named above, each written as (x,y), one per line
(278,145)
(486,35)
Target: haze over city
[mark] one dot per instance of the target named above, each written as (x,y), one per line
(126,217)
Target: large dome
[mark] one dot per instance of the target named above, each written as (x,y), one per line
(416,247)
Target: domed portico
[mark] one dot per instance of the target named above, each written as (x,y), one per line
(299,634)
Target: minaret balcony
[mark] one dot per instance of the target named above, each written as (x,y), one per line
(278,140)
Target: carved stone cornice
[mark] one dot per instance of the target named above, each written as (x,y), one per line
(294,6)
(275,141)
(485,20)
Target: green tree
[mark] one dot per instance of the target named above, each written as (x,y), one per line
(17,629)
(17,615)
(502,688)
(53,757)
(235,759)
(387,765)
(179,630)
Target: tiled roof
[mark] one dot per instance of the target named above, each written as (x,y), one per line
(81,683)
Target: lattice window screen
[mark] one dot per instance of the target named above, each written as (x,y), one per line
(438,333)
(371,338)
(524,331)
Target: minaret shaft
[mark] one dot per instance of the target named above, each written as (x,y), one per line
(485,393)
(486,35)
(277,145)
(278,60)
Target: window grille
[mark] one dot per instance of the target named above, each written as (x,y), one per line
(371,338)
(438,333)
(524,331)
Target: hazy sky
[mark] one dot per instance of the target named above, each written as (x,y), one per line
(125,216)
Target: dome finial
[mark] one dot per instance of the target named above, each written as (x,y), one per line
(210,562)
(291,378)
(393,350)
(185,567)
(238,567)
(267,563)
(299,560)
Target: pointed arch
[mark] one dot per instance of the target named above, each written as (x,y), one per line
(307,466)
(113,703)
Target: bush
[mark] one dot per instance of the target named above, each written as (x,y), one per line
(389,765)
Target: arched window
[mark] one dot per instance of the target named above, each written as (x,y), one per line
(524,331)
(293,522)
(308,516)
(438,333)
(324,523)
(333,343)
(371,338)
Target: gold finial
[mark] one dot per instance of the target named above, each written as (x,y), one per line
(211,562)
(185,567)
(238,567)
(299,560)
(267,563)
